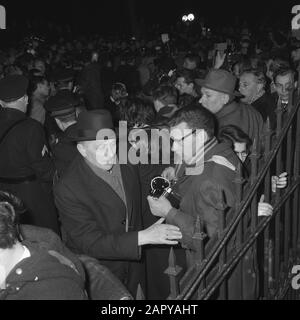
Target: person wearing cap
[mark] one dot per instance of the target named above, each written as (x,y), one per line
(25,166)
(62,108)
(218,96)
(99,203)
(63,79)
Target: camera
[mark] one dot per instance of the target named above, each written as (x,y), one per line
(162,187)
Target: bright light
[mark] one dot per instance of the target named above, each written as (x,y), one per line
(191,17)
(184,18)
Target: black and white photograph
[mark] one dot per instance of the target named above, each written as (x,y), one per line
(149,152)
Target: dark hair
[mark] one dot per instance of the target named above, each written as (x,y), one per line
(188,75)
(278,64)
(243,64)
(283,72)
(8,227)
(165,94)
(234,134)
(33,83)
(137,111)
(258,74)
(196,117)
(193,58)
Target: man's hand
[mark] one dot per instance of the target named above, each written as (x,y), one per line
(264,208)
(159,233)
(169,173)
(279,182)
(159,207)
(220,58)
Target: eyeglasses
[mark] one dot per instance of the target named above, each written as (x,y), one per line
(184,137)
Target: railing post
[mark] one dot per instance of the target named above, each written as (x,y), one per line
(239,188)
(173,272)
(254,164)
(296,176)
(223,254)
(198,238)
(139,293)
(287,207)
(267,251)
(278,193)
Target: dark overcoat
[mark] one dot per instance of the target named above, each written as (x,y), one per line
(93,219)
(209,195)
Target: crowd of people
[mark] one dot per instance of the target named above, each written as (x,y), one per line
(56,96)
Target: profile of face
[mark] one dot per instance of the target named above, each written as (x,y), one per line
(236,70)
(188,64)
(100,153)
(40,65)
(186,142)
(241,151)
(249,87)
(295,55)
(213,100)
(284,85)
(44,88)
(183,87)
(244,47)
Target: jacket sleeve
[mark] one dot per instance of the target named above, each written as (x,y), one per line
(38,154)
(86,233)
(209,204)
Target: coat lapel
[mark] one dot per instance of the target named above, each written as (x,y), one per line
(128,189)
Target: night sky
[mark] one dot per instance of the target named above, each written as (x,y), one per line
(113,14)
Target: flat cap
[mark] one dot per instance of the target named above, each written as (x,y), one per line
(62,104)
(13,87)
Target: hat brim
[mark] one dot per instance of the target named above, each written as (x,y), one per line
(201,83)
(87,135)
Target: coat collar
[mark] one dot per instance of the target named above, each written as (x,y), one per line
(227,110)
(126,179)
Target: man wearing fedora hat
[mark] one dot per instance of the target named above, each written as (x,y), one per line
(218,94)
(62,108)
(99,203)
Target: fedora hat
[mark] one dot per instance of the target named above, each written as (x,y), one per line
(221,81)
(89,124)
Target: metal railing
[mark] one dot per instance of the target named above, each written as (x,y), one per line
(274,241)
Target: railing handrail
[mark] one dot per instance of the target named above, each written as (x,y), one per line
(253,236)
(191,286)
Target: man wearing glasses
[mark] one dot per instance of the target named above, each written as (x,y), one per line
(205,182)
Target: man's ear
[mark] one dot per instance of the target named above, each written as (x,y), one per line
(225,98)
(26,99)
(81,149)
(260,86)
